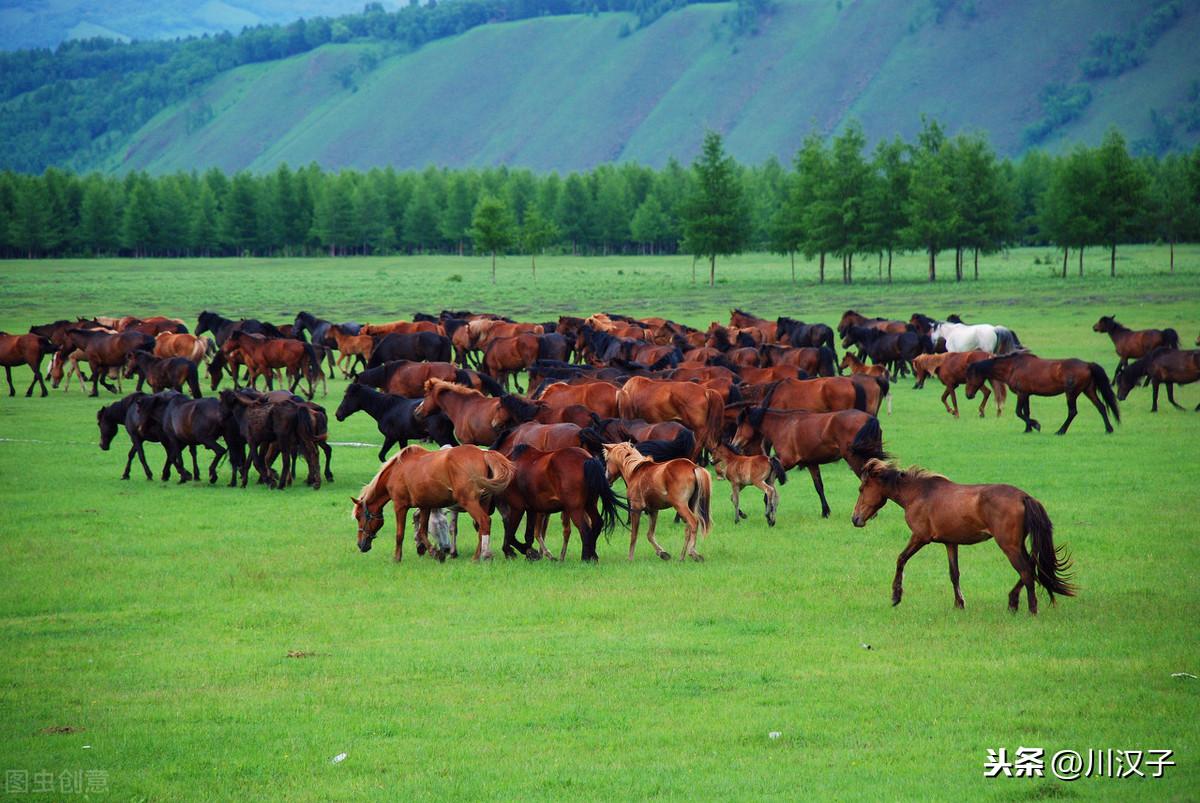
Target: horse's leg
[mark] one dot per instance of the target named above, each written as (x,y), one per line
(1072,411)
(539,534)
(946,395)
(1170,396)
(635,516)
(770,499)
(662,553)
(1091,394)
(483,523)
(914,545)
(328,450)
(737,511)
(8,373)
(953,398)
(691,527)
(129,462)
(1020,560)
(987,394)
(401,515)
(424,545)
(815,471)
(219,452)
(511,519)
(1154,391)
(388,443)
(95,379)
(952,557)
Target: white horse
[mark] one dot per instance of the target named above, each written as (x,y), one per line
(981,336)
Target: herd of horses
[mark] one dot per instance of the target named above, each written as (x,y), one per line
(648,400)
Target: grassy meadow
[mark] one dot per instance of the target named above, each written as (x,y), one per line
(145,628)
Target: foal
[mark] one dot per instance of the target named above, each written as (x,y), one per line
(757,470)
(651,487)
(938,510)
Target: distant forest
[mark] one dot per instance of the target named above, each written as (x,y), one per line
(934,194)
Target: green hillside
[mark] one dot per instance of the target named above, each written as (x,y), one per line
(568,92)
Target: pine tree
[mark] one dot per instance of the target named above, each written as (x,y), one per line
(650,224)
(29,229)
(239,220)
(491,228)
(203,234)
(716,217)
(1120,195)
(99,223)
(537,233)
(137,222)
(930,208)
(460,205)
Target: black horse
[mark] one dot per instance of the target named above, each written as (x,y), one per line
(799,333)
(126,413)
(394,417)
(222,328)
(419,347)
(893,351)
(186,422)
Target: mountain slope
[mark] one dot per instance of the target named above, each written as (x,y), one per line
(569,92)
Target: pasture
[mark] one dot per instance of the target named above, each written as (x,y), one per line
(157,622)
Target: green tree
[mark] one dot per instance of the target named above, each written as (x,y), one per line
(613,212)
(333,219)
(1176,215)
(930,208)
(239,218)
(492,228)
(370,216)
(1120,195)
(421,219)
(1068,211)
(29,229)
(650,224)
(716,220)
(984,199)
(573,212)
(806,210)
(537,232)
(845,225)
(203,232)
(886,198)
(99,220)
(137,222)
(461,197)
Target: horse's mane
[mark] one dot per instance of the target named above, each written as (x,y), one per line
(891,475)
(519,408)
(451,387)
(370,487)
(631,458)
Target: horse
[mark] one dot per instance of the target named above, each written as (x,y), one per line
(758,470)
(651,487)
(395,417)
(191,347)
(975,337)
(683,444)
(171,373)
(188,423)
(466,477)
(698,408)
(821,395)
(318,331)
(1164,365)
(419,347)
(477,419)
(353,347)
(810,440)
(549,437)
(570,481)
(64,366)
(399,327)
(852,318)
(858,368)
(945,512)
(221,328)
(1133,345)
(598,396)
(1028,375)
(105,351)
(925,366)
(126,413)
(799,333)
(25,350)
(896,350)
(505,357)
(951,369)
(269,427)
(813,361)
(261,354)
(56,332)
(740,319)
(319,426)
(408,378)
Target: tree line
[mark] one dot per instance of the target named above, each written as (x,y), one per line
(836,202)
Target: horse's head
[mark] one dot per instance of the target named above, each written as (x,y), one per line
(1105,324)
(746,428)
(615,456)
(108,427)
(368,524)
(872,490)
(429,405)
(977,374)
(351,402)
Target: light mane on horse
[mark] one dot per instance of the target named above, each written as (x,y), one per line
(629,457)
(890,473)
(370,487)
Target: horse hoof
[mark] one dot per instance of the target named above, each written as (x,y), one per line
(697,558)
(454,554)
(440,555)
(662,555)
(420,549)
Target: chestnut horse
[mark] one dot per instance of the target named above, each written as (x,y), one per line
(1131,344)
(191,347)
(598,396)
(1167,366)
(813,439)
(651,487)
(477,419)
(859,368)
(951,369)
(64,366)
(812,360)
(852,318)
(170,373)
(925,366)
(460,476)
(261,355)
(352,348)
(398,327)
(505,357)
(408,378)
(743,470)
(104,351)
(24,350)
(740,319)
(945,512)
(698,408)
(821,395)
(1028,375)
(549,437)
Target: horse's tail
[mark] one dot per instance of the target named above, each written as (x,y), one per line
(1105,387)
(1170,339)
(314,363)
(825,357)
(193,379)
(1050,563)
(778,470)
(885,388)
(486,383)
(714,419)
(210,346)
(867,445)
(860,397)
(700,500)
(828,342)
(595,481)
(500,474)
(590,440)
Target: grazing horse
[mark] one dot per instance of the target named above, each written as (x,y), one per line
(1165,365)
(598,396)
(945,512)
(171,373)
(353,348)
(651,487)
(1028,375)
(1133,345)
(570,481)
(25,350)
(126,413)
(261,355)
(505,357)
(975,337)
(64,366)
(700,409)
(810,440)
(477,419)
(951,369)
(408,378)
(104,351)
(191,347)
(395,416)
(758,470)
(466,477)
(188,423)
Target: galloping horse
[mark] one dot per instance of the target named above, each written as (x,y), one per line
(1133,345)
(1167,366)
(945,512)
(698,408)
(758,470)
(461,476)
(651,487)
(1028,375)
(24,350)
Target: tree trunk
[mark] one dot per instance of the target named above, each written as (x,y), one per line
(693,269)
(843,268)
(976,264)
(822,267)
(1066,252)
(850,268)
(793,253)
(1172,256)
(932,265)
(493,267)
(1112,262)
(712,270)
(1081,261)
(533,264)
(881,266)
(889,265)
(958,264)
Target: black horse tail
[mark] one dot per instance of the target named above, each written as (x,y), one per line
(885,386)
(595,481)
(829,343)
(867,445)
(660,451)
(537,392)
(1050,563)
(1105,388)
(502,442)
(589,438)
(486,383)
(1170,339)
(778,470)
(860,397)
(314,363)
(825,358)
(193,379)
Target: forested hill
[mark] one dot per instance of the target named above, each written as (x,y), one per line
(560,91)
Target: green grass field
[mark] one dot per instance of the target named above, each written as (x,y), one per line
(156,620)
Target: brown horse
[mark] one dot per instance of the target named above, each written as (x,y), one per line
(698,408)
(951,369)
(1028,375)
(812,439)
(852,318)
(461,476)
(598,396)
(743,470)
(24,350)
(651,487)
(351,348)
(938,510)
(190,347)
(64,366)
(774,373)
(1131,344)
(1162,366)
(477,419)
(505,357)
(104,351)
(813,360)
(398,327)
(569,481)
(408,378)
(738,319)
(925,366)
(821,395)
(549,437)
(153,326)
(261,355)
(860,368)
(170,373)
